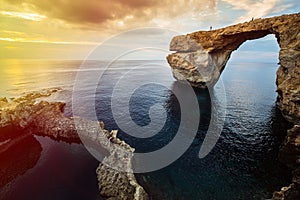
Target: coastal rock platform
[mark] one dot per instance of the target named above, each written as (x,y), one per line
(31,115)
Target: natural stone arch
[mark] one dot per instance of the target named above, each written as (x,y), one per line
(202,56)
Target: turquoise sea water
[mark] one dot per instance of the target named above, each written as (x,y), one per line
(242,165)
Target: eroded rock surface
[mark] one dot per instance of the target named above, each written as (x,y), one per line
(289,154)
(32,115)
(121,176)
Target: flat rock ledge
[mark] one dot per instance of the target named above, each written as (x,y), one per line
(39,117)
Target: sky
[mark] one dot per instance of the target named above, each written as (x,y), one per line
(71,29)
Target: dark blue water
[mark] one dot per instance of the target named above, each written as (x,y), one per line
(242,165)
(35,168)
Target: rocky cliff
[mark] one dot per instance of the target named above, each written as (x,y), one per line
(201,57)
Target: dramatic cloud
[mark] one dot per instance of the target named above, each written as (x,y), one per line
(75,26)
(120,15)
(118,12)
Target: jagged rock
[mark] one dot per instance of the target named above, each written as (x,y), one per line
(289,154)
(287,193)
(288,89)
(290,151)
(119,185)
(292,192)
(201,56)
(21,111)
(3,101)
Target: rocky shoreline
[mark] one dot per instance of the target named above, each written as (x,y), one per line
(201,57)
(31,115)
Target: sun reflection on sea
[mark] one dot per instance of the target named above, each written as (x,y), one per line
(22,76)
(14,75)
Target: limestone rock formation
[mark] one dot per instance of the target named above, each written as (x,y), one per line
(31,115)
(201,57)
(290,152)
(121,176)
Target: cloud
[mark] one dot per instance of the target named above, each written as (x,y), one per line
(43,23)
(28,16)
(27,40)
(114,13)
(254,8)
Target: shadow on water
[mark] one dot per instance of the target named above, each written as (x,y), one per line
(242,165)
(35,167)
(19,152)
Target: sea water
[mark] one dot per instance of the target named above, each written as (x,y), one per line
(242,165)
